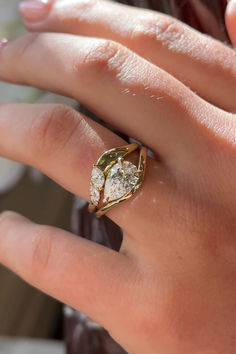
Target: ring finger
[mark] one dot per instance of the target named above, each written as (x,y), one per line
(64,144)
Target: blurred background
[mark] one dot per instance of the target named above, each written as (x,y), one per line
(24,311)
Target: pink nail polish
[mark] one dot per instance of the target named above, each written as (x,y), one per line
(3,43)
(35,10)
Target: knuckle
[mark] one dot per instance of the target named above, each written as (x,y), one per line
(163,30)
(83,7)
(104,56)
(168,31)
(143,28)
(42,246)
(100,53)
(53,129)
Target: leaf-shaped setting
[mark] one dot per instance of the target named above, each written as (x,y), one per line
(110,157)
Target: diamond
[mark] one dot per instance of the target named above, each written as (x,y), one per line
(120,180)
(97,177)
(94,195)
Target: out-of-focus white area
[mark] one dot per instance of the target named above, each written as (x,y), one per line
(24,311)
(30,346)
(11,26)
(10,21)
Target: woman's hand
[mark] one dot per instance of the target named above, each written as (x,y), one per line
(172,287)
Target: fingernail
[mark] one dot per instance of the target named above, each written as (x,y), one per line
(3,43)
(35,10)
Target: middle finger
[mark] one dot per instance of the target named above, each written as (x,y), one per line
(124,89)
(204,64)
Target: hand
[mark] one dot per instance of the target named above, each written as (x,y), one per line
(172,287)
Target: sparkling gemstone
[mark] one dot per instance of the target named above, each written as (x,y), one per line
(120,180)
(94,195)
(97,177)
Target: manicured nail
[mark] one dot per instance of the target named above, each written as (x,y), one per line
(3,43)
(35,10)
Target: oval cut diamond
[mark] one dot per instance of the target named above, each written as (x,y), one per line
(97,177)
(120,180)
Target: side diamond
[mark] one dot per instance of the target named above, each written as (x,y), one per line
(94,195)
(97,177)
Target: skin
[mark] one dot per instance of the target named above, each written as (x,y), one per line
(172,287)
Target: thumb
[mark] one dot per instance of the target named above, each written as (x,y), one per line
(230,19)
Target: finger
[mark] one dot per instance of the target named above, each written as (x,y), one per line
(230,18)
(205,65)
(133,95)
(80,273)
(64,144)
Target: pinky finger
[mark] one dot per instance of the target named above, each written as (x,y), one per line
(85,275)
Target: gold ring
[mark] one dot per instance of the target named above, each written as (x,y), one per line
(114,179)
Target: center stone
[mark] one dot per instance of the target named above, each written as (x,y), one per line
(120,180)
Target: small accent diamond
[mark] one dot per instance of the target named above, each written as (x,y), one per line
(94,195)
(97,177)
(120,180)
